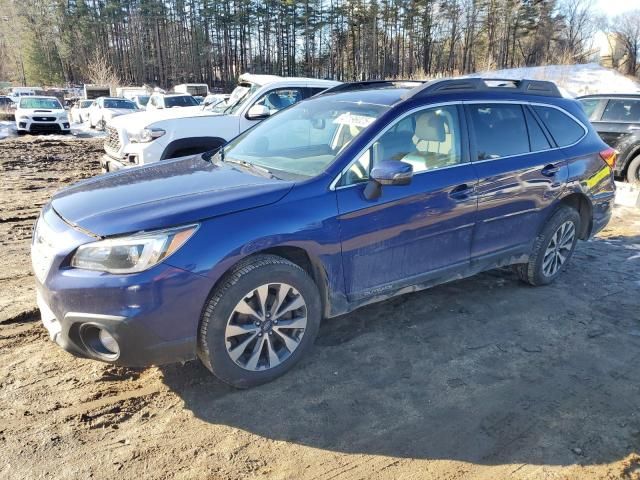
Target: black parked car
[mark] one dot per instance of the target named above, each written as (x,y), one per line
(616,118)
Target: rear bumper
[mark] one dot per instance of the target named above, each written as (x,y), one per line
(602,212)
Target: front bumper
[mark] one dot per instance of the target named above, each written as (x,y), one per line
(121,153)
(153,315)
(33,126)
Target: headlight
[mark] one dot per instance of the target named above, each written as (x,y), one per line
(133,253)
(146,135)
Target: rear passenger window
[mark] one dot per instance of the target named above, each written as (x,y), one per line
(622,110)
(537,138)
(500,130)
(589,106)
(564,129)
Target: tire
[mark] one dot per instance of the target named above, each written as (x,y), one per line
(633,171)
(225,314)
(101,125)
(544,264)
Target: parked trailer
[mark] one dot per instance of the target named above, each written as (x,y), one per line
(130,92)
(92,92)
(195,89)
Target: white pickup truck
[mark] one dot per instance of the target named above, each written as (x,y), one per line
(147,137)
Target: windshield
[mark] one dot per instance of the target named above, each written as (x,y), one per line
(117,103)
(86,103)
(239,95)
(304,139)
(143,99)
(180,101)
(48,103)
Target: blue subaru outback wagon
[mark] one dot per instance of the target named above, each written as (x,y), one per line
(342,200)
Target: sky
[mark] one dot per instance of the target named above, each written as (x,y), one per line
(615,7)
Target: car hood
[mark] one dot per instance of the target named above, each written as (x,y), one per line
(119,111)
(140,120)
(40,111)
(164,194)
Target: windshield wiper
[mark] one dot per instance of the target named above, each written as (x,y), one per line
(208,156)
(250,166)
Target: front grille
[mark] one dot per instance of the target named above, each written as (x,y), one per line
(44,119)
(113,140)
(45,127)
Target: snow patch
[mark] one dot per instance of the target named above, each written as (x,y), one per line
(573,80)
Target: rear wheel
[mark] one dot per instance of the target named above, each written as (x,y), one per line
(259,322)
(633,171)
(552,248)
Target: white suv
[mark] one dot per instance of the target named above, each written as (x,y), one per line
(147,137)
(41,114)
(159,101)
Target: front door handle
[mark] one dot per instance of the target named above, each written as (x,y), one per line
(461,192)
(550,170)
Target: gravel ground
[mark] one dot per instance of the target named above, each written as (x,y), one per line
(483,378)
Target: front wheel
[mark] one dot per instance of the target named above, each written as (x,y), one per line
(259,322)
(633,171)
(101,125)
(552,248)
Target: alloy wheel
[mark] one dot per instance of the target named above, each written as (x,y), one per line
(266,327)
(559,248)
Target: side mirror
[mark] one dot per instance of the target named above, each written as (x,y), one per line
(258,112)
(389,172)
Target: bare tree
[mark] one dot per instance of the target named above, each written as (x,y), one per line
(100,72)
(581,24)
(627,32)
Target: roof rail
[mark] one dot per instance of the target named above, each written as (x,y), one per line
(367,84)
(448,85)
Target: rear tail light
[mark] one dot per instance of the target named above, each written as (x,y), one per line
(609,156)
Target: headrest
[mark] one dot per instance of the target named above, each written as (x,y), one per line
(430,127)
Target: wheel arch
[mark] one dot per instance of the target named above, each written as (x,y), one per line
(630,157)
(301,257)
(582,204)
(185,144)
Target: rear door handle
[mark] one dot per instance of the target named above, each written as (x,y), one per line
(461,192)
(550,170)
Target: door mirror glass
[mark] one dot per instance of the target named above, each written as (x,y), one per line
(258,112)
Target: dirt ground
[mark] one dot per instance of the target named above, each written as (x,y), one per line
(483,378)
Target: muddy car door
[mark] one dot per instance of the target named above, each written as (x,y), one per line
(520,172)
(415,233)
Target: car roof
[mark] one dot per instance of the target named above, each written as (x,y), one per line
(46,97)
(268,79)
(377,96)
(460,89)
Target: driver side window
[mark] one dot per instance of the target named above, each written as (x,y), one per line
(427,140)
(276,100)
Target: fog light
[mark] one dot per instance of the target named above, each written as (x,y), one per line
(99,342)
(108,342)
